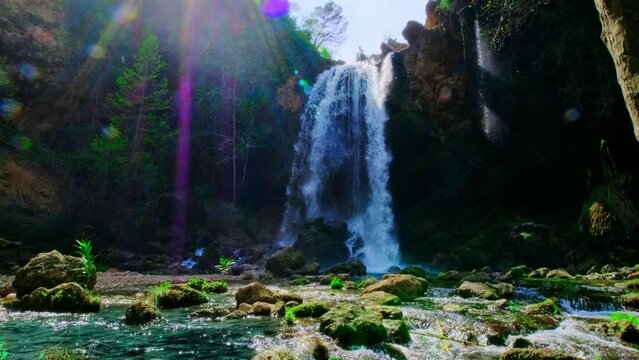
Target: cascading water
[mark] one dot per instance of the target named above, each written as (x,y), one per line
(340,169)
(491,123)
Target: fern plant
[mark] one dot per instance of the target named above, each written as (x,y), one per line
(225,265)
(85,250)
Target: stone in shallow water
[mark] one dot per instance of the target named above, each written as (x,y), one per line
(397,331)
(353,325)
(310,309)
(620,329)
(180,296)
(381,298)
(253,293)
(546,307)
(472,289)
(536,354)
(539,273)
(353,268)
(141,313)
(68,297)
(406,287)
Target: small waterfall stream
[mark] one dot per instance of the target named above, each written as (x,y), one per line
(340,169)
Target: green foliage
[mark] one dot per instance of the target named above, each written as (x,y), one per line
(208,286)
(289,315)
(3,350)
(618,316)
(225,265)
(337,283)
(85,250)
(445,5)
(500,19)
(325,53)
(326,25)
(160,290)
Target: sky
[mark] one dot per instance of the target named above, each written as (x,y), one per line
(369,22)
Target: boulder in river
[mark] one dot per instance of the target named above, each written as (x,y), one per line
(285,262)
(141,313)
(406,287)
(353,268)
(67,297)
(351,324)
(414,270)
(174,296)
(621,329)
(255,292)
(49,270)
(479,290)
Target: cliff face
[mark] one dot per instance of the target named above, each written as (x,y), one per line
(620,33)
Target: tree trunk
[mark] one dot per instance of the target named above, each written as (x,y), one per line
(620,33)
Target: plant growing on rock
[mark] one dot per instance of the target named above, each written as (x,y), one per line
(85,250)
(618,316)
(289,315)
(225,265)
(337,283)
(160,290)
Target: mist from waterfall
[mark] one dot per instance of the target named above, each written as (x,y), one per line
(491,123)
(340,169)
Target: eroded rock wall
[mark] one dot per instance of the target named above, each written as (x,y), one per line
(620,33)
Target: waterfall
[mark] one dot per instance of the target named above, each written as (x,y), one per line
(491,123)
(340,168)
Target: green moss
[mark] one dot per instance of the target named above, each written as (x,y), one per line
(309,309)
(337,283)
(169,296)
(547,307)
(61,354)
(618,316)
(353,325)
(289,315)
(217,287)
(631,285)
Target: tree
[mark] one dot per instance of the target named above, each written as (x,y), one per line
(139,121)
(326,25)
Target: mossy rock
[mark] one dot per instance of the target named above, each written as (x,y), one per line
(519,272)
(262,309)
(178,296)
(473,289)
(312,309)
(415,270)
(299,282)
(388,312)
(216,287)
(141,313)
(394,351)
(381,298)
(546,307)
(536,354)
(353,325)
(406,287)
(397,331)
(285,261)
(620,329)
(630,301)
(255,292)
(630,285)
(558,274)
(68,297)
(276,355)
(237,314)
(539,273)
(353,268)
(366,282)
(48,270)
(286,297)
(450,276)
(62,354)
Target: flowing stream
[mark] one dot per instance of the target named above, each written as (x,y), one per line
(340,169)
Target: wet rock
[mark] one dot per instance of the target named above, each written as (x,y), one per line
(620,329)
(276,355)
(353,268)
(262,309)
(49,270)
(521,343)
(413,31)
(608,268)
(519,272)
(472,289)
(324,241)
(285,262)
(214,313)
(255,292)
(308,269)
(67,297)
(504,290)
(406,287)
(320,350)
(634,275)
(630,301)
(395,351)
(539,273)
(479,276)
(286,297)
(141,313)
(312,309)
(279,308)
(415,271)
(351,324)
(246,308)
(299,282)
(368,281)
(388,312)
(558,274)
(397,331)
(381,298)
(546,307)
(450,276)
(326,280)
(536,354)
(237,314)
(291,304)
(177,296)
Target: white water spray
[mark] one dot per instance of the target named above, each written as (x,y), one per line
(491,123)
(340,169)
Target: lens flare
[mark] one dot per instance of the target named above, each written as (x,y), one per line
(10,108)
(27,71)
(96,51)
(21,142)
(188,263)
(199,252)
(572,115)
(110,132)
(275,8)
(125,14)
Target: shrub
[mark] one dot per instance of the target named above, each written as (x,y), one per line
(337,283)
(225,265)
(85,250)
(618,316)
